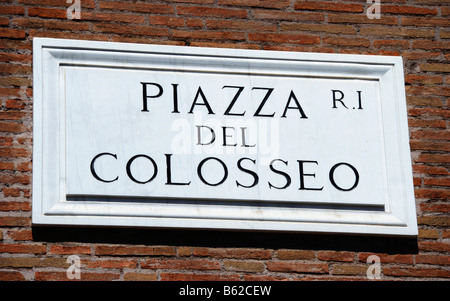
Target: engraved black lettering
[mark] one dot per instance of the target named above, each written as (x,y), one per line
(261,105)
(250,172)
(94,173)
(236,96)
(145,96)
(297,106)
(204,103)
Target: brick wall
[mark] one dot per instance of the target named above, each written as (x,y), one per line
(417,30)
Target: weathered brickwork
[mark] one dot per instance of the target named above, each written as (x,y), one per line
(417,30)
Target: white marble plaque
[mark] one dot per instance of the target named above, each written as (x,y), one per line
(185,137)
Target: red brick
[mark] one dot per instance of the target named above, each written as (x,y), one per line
(209,35)
(425,112)
(12,57)
(13,10)
(135,251)
(432,220)
(295,254)
(428,233)
(27,262)
(360,19)
(50,24)
(11,276)
(124,18)
(242,253)
(284,38)
(12,127)
(433,259)
(14,221)
(45,12)
(348,269)
(288,16)
(434,246)
(12,33)
(244,266)
(427,123)
(430,44)
(20,234)
(433,158)
(201,11)
(194,22)
(13,115)
(242,25)
(264,278)
(137,7)
(331,278)
(391,43)
(432,170)
(435,207)
(131,29)
(296,267)
(140,277)
(4,21)
(70,250)
(445,11)
(432,194)
(168,21)
(332,28)
(224,45)
(15,44)
(388,258)
(341,41)
(256,3)
(14,152)
(305,48)
(431,134)
(15,69)
(66,35)
(7,166)
(423,79)
(110,264)
(424,100)
(418,55)
(198,277)
(392,31)
(84,276)
(416,272)
(328,6)
(435,67)
(336,256)
(414,21)
(15,206)
(13,179)
(437,182)
(84,3)
(24,166)
(431,145)
(16,81)
(14,104)
(22,248)
(197,264)
(445,234)
(412,10)
(14,192)
(6,141)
